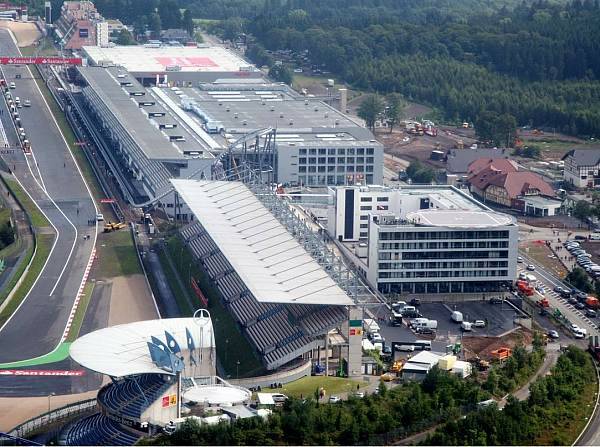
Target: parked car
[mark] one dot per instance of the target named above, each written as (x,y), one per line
(580,306)
(553,334)
(12,85)
(27,103)
(479,323)
(334,399)
(581,296)
(558,289)
(573,300)
(496,300)
(279,397)
(519,259)
(359,394)
(415,302)
(590,313)
(531,267)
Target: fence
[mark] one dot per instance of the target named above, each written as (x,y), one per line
(53,416)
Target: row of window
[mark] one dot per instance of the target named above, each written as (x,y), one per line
(341,168)
(369,208)
(334,160)
(425,255)
(338,151)
(426,235)
(379,199)
(444,245)
(445,274)
(334,180)
(442,265)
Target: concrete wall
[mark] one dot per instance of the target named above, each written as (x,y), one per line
(278,377)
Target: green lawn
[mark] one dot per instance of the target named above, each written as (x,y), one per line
(306,386)
(80,312)
(232,346)
(44,244)
(31,209)
(44,48)
(116,255)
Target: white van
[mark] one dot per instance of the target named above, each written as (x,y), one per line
(595,236)
(457,316)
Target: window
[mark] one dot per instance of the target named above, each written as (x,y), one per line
(365,208)
(350,151)
(340,169)
(339,180)
(350,160)
(360,160)
(360,150)
(341,160)
(322,160)
(330,168)
(312,169)
(369,179)
(302,169)
(364,234)
(369,159)
(322,151)
(312,152)
(364,225)
(321,168)
(341,151)
(302,160)
(331,160)
(370,151)
(383,199)
(370,168)
(331,179)
(365,217)
(366,199)
(312,160)
(330,151)
(350,168)
(302,151)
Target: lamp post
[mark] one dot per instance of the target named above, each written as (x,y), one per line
(237,376)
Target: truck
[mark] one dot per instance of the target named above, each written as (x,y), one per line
(594,346)
(525,288)
(457,316)
(543,302)
(465,326)
(424,323)
(501,354)
(371,326)
(592,302)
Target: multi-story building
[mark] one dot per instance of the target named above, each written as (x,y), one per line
(433,239)
(582,167)
(80,24)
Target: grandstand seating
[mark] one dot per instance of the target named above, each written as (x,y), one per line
(278,331)
(97,430)
(125,396)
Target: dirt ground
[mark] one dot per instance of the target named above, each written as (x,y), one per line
(26,33)
(482,346)
(539,251)
(130,300)
(25,408)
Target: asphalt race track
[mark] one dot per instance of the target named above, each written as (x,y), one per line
(53,181)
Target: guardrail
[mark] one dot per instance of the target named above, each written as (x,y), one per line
(50,417)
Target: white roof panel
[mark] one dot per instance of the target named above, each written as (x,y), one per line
(272,264)
(122,350)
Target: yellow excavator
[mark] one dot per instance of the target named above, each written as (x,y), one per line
(110,226)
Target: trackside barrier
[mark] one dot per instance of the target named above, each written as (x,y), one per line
(53,416)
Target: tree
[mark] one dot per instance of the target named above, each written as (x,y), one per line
(170,16)
(232,28)
(281,73)
(125,38)
(370,109)
(188,22)
(495,129)
(579,279)
(582,209)
(418,173)
(155,25)
(393,113)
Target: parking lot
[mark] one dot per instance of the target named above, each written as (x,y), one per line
(499,318)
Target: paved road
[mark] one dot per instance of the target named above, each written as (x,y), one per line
(51,177)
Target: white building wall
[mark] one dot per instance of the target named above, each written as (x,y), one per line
(102,34)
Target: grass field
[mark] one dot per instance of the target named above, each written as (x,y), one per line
(544,256)
(116,255)
(44,244)
(306,386)
(232,346)
(35,215)
(44,48)
(80,313)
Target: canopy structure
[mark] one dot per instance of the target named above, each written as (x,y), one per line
(122,350)
(268,259)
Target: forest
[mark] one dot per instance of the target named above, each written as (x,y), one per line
(442,398)
(536,60)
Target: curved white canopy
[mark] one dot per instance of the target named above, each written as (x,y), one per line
(122,350)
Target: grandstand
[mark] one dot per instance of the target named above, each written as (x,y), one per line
(283,299)
(151,364)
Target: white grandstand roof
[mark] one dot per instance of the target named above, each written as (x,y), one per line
(272,264)
(122,350)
